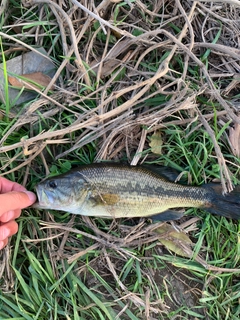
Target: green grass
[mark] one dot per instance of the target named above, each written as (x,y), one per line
(50,288)
(109,280)
(7,102)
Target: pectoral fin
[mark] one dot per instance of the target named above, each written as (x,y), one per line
(105,199)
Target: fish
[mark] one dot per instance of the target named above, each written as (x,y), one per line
(113,190)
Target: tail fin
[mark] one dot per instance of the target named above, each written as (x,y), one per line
(225,205)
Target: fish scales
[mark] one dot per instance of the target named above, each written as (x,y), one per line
(115,191)
(136,183)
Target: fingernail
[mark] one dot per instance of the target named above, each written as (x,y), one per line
(31,196)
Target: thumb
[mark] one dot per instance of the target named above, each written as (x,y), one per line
(16,200)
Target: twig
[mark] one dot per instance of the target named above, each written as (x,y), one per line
(221,161)
(72,32)
(232,52)
(101,20)
(233,2)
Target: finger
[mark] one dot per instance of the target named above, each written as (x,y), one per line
(10,215)
(16,200)
(3,243)
(7,186)
(8,229)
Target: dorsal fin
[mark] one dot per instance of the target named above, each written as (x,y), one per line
(167,173)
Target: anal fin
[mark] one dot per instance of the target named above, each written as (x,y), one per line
(167,216)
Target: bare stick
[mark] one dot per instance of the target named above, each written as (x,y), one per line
(72,32)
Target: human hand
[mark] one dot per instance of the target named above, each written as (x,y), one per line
(13,198)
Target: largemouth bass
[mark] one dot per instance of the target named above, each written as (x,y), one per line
(121,191)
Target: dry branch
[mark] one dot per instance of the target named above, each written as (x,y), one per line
(110,118)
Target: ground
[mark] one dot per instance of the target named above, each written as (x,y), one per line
(138,82)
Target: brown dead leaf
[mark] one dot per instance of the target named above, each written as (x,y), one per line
(175,241)
(35,79)
(156,142)
(17,29)
(116,34)
(109,66)
(111,62)
(234,137)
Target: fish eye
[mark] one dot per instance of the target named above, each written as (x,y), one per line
(52,184)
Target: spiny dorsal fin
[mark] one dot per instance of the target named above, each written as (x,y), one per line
(167,173)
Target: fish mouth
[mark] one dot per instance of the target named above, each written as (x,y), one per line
(45,199)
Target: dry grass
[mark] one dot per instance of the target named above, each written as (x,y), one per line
(119,105)
(124,70)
